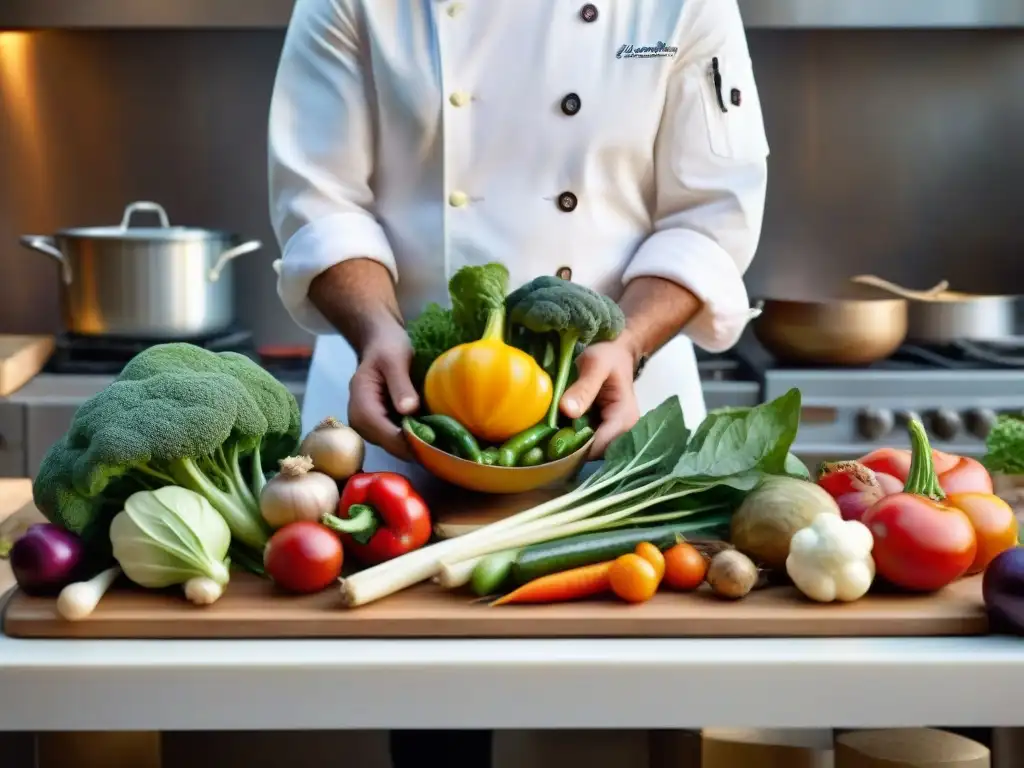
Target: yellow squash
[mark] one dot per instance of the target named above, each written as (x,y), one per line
(492,389)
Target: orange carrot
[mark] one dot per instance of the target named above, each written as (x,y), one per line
(573,584)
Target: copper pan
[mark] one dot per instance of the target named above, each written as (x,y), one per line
(846,330)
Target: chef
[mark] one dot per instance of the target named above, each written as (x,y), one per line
(619,144)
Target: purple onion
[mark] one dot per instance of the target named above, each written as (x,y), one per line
(46,559)
(1003,591)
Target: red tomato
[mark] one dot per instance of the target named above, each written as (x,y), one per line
(303,557)
(920,544)
(957,474)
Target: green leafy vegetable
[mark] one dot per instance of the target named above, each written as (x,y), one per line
(172,536)
(431,334)
(477,293)
(177,415)
(577,315)
(1005,446)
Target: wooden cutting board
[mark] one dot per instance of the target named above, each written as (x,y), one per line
(21,358)
(253,608)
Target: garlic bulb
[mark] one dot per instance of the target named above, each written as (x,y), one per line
(298,493)
(336,450)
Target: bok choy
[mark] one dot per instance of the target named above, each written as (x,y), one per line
(655,473)
(173,536)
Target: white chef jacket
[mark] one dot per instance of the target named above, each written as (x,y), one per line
(618,139)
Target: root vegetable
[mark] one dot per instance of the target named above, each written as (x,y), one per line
(298,493)
(732,574)
(46,558)
(577,584)
(336,450)
(779,507)
(1003,592)
(77,601)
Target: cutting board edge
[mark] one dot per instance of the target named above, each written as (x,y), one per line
(39,620)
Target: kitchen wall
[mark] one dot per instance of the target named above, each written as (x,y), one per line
(897,152)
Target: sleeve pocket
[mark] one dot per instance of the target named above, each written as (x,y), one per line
(732,113)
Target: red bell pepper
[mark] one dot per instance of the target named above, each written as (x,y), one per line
(926,539)
(380,516)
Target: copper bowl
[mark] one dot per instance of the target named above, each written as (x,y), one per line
(833,331)
(489,479)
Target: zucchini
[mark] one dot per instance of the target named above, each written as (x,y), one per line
(419,429)
(491,573)
(532,457)
(589,548)
(513,449)
(455,435)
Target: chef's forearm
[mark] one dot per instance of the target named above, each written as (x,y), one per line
(357,297)
(656,311)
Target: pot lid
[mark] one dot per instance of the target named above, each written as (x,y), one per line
(165,231)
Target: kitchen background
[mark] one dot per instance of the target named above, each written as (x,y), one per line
(895,128)
(895,150)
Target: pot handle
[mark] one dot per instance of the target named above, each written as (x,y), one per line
(144,205)
(233,253)
(47,245)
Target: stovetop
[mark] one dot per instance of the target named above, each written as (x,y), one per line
(107,355)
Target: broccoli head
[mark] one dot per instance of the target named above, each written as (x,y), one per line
(173,417)
(478,299)
(578,315)
(277,404)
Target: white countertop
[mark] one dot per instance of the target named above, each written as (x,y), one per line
(172,685)
(657,683)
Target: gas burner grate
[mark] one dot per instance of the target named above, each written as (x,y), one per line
(965,355)
(107,355)
(956,356)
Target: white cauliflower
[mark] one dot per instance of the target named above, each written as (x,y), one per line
(831,559)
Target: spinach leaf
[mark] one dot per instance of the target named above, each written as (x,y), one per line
(796,468)
(659,434)
(738,445)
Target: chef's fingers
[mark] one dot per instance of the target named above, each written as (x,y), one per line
(396,375)
(619,414)
(593,371)
(368,411)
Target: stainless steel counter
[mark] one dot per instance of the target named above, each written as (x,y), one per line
(274,14)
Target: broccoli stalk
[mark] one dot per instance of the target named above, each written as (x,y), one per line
(219,478)
(576,314)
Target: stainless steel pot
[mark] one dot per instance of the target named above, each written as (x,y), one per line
(144,282)
(941,316)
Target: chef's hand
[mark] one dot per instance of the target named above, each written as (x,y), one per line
(605,382)
(381,385)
